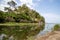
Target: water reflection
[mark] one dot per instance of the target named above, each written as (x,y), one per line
(48,28)
(2,36)
(11,38)
(19,32)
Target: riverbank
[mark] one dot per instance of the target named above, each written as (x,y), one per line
(19,24)
(55,35)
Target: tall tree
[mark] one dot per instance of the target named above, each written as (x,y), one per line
(12,4)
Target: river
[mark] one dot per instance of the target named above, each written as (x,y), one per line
(48,28)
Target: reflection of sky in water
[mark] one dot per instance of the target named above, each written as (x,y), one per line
(2,35)
(48,28)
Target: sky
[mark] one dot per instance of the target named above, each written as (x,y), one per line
(49,9)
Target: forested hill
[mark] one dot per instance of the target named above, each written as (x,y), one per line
(20,14)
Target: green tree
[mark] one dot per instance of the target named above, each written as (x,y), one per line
(56,27)
(12,4)
(2,18)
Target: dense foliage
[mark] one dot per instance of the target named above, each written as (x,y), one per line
(57,27)
(20,14)
(11,20)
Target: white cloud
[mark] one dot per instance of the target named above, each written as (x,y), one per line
(29,3)
(5,1)
(51,18)
(1,8)
(4,4)
(9,0)
(26,1)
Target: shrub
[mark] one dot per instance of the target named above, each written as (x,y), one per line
(56,27)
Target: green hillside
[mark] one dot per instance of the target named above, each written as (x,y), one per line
(20,14)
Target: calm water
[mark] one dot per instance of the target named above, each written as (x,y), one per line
(48,28)
(18,32)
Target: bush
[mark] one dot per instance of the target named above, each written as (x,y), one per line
(2,17)
(56,27)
